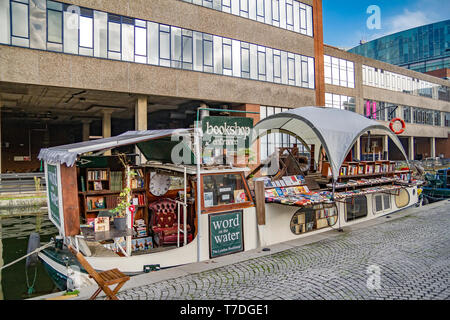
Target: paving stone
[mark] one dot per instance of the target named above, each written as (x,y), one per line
(411,253)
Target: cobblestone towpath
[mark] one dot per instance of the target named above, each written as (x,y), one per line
(405,257)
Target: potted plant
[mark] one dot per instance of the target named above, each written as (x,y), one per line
(120,211)
(120,218)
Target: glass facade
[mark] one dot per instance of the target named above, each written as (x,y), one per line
(387,111)
(420,49)
(270,142)
(287,14)
(54,26)
(339,72)
(396,82)
(340,102)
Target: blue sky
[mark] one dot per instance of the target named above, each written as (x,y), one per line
(344,22)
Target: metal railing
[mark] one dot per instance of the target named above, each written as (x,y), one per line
(22,182)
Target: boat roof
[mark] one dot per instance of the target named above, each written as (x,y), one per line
(192,169)
(335,129)
(69,153)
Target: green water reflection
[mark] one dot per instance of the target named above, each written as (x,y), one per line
(15,228)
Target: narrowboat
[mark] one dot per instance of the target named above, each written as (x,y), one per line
(184,198)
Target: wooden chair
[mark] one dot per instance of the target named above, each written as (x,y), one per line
(104,279)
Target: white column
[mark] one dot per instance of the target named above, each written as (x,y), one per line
(433,147)
(106,127)
(140,121)
(411,148)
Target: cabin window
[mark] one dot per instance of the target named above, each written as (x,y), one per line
(224,189)
(355,208)
(313,218)
(381,203)
(402,199)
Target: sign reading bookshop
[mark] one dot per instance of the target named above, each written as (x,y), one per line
(225,233)
(227,132)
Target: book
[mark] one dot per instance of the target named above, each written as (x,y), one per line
(279,192)
(239,196)
(101,224)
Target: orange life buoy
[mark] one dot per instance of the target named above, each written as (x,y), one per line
(391,125)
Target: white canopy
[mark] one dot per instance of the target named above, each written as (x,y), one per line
(68,153)
(334,129)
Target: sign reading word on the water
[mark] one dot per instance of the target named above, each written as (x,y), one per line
(225,233)
(223,132)
(53,194)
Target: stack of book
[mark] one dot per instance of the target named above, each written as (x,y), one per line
(139,200)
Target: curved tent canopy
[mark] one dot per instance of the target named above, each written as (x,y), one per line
(336,130)
(145,141)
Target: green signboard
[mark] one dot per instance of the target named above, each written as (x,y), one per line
(225,233)
(225,132)
(53,194)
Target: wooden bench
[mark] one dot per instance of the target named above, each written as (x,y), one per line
(104,279)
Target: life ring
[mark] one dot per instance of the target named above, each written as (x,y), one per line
(391,125)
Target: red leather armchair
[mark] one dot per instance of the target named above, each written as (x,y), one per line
(164,223)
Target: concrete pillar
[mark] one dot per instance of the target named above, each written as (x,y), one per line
(106,127)
(433,147)
(386,146)
(140,121)
(86,129)
(411,148)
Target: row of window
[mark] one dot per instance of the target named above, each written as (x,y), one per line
(287,14)
(339,72)
(54,26)
(340,102)
(270,142)
(385,111)
(396,82)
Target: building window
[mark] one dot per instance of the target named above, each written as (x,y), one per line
(54,22)
(437,118)
(396,82)
(114,37)
(407,114)
(339,72)
(20,23)
(100,34)
(140,42)
(447,119)
(270,142)
(340,102)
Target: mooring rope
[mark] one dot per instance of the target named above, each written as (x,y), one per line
(29,254)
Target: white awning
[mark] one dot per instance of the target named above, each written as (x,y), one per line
(68,153)
(334,129)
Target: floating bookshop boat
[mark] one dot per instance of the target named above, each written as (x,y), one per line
(180,211)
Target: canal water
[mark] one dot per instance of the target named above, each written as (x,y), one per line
(15,229)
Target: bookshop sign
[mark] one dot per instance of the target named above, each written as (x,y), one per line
(226,132)
(225,233)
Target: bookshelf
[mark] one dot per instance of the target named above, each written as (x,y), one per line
(139,199)
(361,169)
(97,179)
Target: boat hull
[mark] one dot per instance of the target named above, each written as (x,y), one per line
(276,230)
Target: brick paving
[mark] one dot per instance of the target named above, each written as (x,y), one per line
(411,252)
